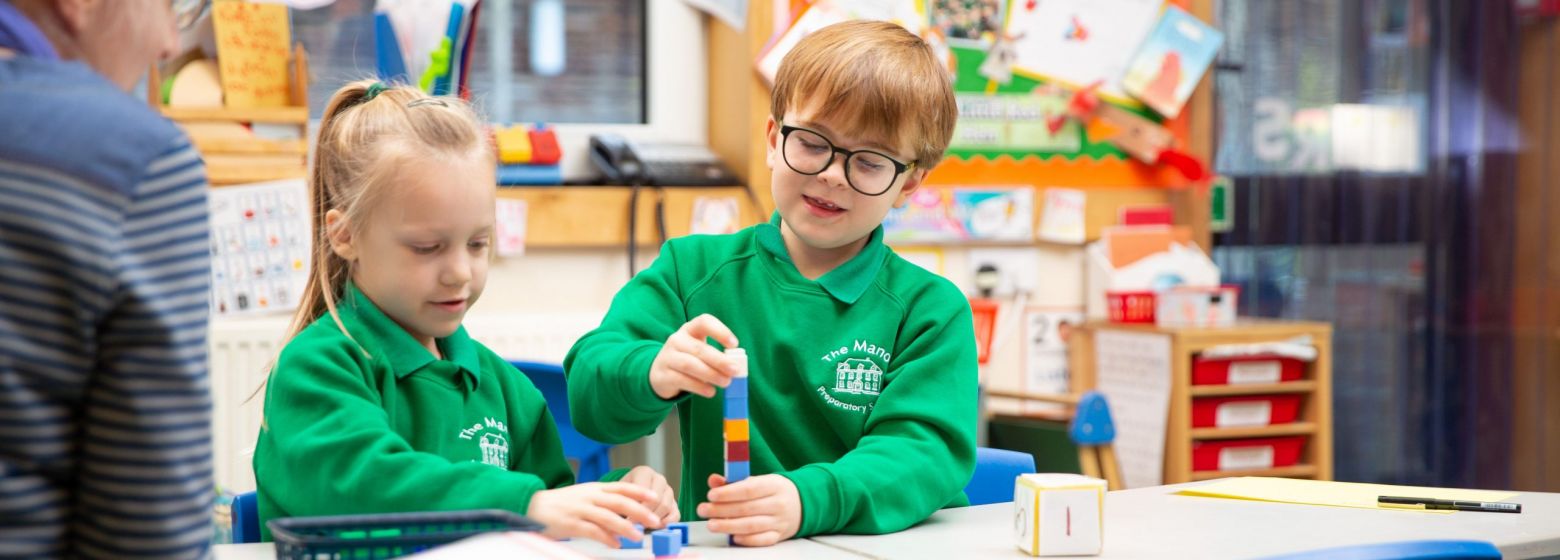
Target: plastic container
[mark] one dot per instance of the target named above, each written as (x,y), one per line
(388,535)
(1246,370)
(1244,411)
(1244,454)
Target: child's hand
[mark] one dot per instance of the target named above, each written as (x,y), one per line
(665,505)
(687,363)
(594,510)
(760,511)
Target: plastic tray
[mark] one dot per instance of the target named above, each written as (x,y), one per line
(385,535)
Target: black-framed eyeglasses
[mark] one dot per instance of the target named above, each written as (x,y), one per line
(869,172)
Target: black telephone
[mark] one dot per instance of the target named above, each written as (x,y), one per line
(622,162)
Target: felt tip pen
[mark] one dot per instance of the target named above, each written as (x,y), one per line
(1459,505)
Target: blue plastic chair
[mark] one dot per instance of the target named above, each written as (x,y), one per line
(1411,550)
(246,519)
(995,471)
(592,455)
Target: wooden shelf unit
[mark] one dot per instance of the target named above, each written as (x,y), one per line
(235,161)
(597,217)
(1315,387)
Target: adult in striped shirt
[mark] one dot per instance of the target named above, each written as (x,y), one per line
(105,410)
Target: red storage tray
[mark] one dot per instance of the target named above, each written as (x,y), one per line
(1243,454)
(1246,370)
(1244,411)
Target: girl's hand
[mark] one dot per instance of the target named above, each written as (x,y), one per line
(594,510)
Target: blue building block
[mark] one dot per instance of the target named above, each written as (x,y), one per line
(736,471)
(665,543)
(633,544)
(738,388)
(736,409)
(680,528)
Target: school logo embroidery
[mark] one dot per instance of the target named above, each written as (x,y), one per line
(492,438)
(858,370)
(858,376)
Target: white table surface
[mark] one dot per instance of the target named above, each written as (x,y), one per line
(702,544)
(1155,523)
(1141,523)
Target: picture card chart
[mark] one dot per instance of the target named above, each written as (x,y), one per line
(259,247)
(1133,371)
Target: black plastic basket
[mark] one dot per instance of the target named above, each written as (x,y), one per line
(372,537)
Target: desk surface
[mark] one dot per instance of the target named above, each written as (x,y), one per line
(1156,523)
(702,544)
(1140,523)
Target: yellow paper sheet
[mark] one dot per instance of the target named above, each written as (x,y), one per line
(252,52)
(1325,493)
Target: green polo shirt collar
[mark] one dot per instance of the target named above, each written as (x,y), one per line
(376,331)
(846,282)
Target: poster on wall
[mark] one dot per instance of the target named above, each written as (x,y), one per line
(1079,42)
(1171,61)
(1014,66)
(1013,122)
(259,247)
(1046,330)
(966,21)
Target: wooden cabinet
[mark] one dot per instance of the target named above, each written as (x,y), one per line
(1313,421)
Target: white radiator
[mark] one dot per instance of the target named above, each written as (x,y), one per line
(242,350)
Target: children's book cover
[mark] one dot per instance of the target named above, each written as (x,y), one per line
(936,215)
(1171,61)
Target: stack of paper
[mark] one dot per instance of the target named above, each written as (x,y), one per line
(1326,493)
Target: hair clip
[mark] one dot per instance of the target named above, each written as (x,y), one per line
(374,90)
(427,101)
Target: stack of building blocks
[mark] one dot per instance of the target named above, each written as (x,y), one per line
(737,419)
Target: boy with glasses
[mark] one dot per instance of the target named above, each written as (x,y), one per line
(862,372)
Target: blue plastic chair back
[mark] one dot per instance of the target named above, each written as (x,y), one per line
(1411,550)
(592,455)
(246,519)
(1092,424)
(995,472)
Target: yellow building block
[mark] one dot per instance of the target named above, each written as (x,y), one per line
(514,145)
(737,430)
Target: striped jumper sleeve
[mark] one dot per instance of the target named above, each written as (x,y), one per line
(105,407)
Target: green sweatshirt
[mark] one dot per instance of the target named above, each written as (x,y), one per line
(862,384)
(381,426)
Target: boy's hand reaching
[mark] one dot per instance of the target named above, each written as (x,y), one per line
(665,505)
(760,511)
(687,363)
(594,510)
